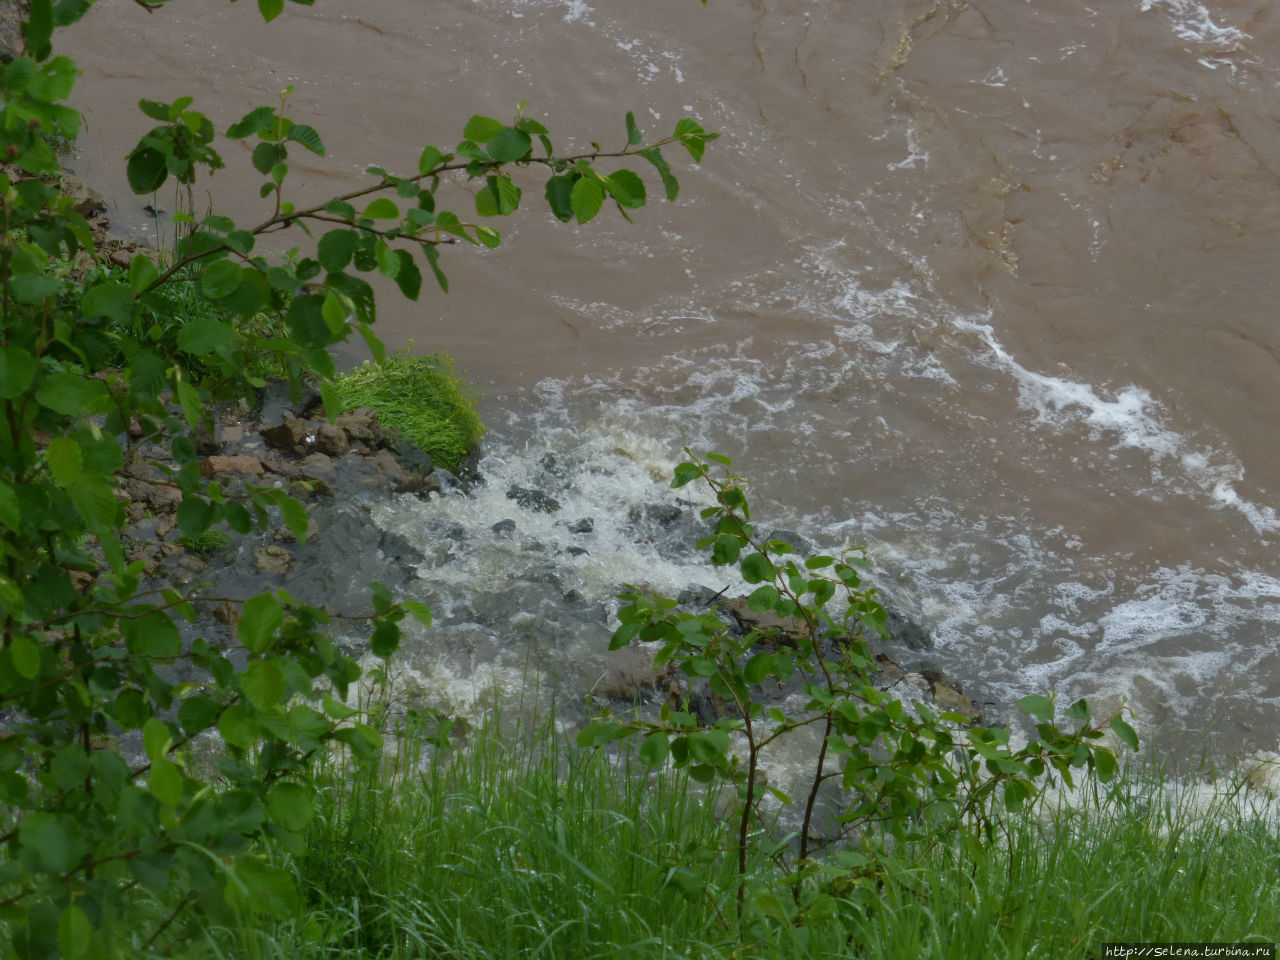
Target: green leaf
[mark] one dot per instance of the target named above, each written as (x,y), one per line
(270,9)
(336,249)
(291,806)
(221,279)
(627,188)
(263,683)
(655,749)
(388,262)
(408,276)
(26,656)
(433,261)
(17,369)
(429,160)
(757,667)
(189,400)
(382,208)
(152,635)
(70,394)
(601,732)
(420,611)
(1125,733)
(204,334)
(488,236)
(142,273)
(263,889)
(197,713)
(757,568)
(307,136)
(95,501)
(480,129)
(238,727)
(1079,710)
(114,300)
(559,195)
(65,459)
(261,616)
(265,156)
(1104,761)
(38,28)
(633,132)
(255,121)
(689,132)
(336,710)
(55,838)
(294,515)
(1037,706)
(586,198)
(509,144)
(75,933)
(67,12)
(34,287)
(165,781)
(146,170)
(763,598)
(672,185)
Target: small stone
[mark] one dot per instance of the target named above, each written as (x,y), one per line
(585,525)
(120,257)
(530,499)
(317,464)
(663,513)
(233,433)
(359,424)
(227,612)
(278,467)
(332,440)
(504,528)
(192,564)
(289,436)
(172,549)
(386,462)
(576,551)
(236,464)
(273,560)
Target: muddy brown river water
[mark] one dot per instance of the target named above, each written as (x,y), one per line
(988,285)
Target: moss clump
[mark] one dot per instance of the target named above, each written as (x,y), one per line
(422,398)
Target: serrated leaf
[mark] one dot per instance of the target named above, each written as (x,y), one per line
(204,334)
(270,9)
(95,501)
(509,144)
(142,273)
(480,128)
(291,806)
(146,170)
(1037,706)
(152,635)
(586,198)
(655,749)
(757,568)
(626,187)
(26,656)
(600,732)
(419,610)
(669,182)
(17,370)
(75,933)
(429,160)
(165,781)
(65,460)
(433,261)
(336,249)
(263,683)
(221,279)
(408,276)
(258,622)
(255,121)
(294,515)
(633,132)
(559,193)
(307,136)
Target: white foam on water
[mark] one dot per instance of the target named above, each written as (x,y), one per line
(1133,418)
(1194,22)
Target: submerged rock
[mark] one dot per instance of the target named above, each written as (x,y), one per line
(529,498)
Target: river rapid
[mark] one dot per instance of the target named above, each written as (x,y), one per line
(989,286)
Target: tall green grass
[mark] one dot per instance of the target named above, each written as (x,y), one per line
(520,845)
(422,398)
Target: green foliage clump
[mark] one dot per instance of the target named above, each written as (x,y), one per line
(204,543)
(422,398)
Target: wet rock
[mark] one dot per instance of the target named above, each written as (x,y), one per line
(392,469)
(232,433)
(233,464)
(286,535)
(788,630)
(272,560)
(585,525)
(192,564)
(332,440)
(227,613)
(11,16)
(697,595)
(317,465)
(629,675)
(413,457)
(576,551)
(905,631)
(662,513)
(530,499)
(159,497)
(206,443)
(797,541)
(309,488)
(359,424)
(947,695)
(290,437)
(278,467)
(460,533)
(88,202)
(504,528)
